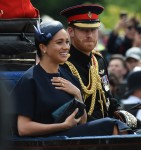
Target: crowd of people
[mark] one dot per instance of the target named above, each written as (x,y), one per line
(123,50)
(70,67)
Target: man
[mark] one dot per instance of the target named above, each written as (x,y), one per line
(117,67)
(133,93)
(87,64)
(133,58)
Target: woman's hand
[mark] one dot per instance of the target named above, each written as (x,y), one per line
(67,86)
(83,118)
(71,121)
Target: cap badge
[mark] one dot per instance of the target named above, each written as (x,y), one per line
(89,14)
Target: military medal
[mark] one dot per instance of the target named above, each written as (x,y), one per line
(105,83)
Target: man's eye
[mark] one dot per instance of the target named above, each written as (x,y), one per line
(68,42)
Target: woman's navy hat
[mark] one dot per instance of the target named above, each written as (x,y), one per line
(133,82)
(84,16)
(46,30)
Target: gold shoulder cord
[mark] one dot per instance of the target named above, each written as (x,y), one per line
(93,86)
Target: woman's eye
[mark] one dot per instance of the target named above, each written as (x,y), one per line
(59,42)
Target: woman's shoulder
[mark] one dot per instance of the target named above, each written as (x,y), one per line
(28,73)
(31,73)
(64,70)
(68,74)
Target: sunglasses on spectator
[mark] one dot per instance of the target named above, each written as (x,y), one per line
(130,27)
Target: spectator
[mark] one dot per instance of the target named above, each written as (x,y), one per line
(133,93)
(137,39)
(133,58)
(117,44)
(118,67)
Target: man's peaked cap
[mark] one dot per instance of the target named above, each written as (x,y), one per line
(85,15)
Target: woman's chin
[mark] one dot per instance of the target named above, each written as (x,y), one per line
(61,63)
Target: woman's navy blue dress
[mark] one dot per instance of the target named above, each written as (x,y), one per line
(37,98)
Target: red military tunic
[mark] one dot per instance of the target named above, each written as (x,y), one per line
(17,9)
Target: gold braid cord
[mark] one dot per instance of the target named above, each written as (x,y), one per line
(93,85)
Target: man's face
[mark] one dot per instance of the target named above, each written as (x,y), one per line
(132,63)
(116,67)
(84,39)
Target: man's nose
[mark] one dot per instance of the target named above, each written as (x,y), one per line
(89,32)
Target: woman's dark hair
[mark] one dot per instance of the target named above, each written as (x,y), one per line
(37,43)
(134,21)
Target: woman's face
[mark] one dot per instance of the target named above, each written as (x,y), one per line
(84,39)
(58,48)
(130,30)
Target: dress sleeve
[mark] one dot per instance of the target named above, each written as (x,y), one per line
(24,97)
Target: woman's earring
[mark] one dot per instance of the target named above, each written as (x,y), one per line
(44,52)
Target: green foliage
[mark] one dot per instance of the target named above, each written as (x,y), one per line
(113,9)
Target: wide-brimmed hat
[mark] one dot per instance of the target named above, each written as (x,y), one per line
(133,82)
(84,16)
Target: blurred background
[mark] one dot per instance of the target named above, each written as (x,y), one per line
(109,17)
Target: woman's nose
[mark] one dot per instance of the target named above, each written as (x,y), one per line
(66,46)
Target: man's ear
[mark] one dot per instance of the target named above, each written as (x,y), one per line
(71,32)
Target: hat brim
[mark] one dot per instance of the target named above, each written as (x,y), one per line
(134,57)
(87,25)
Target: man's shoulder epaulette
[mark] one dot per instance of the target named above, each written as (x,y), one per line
(95,52)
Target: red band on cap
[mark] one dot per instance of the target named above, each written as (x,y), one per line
(88,16)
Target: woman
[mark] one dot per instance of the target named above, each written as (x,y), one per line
(47,86)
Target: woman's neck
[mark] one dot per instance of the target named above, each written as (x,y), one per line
(49,68)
